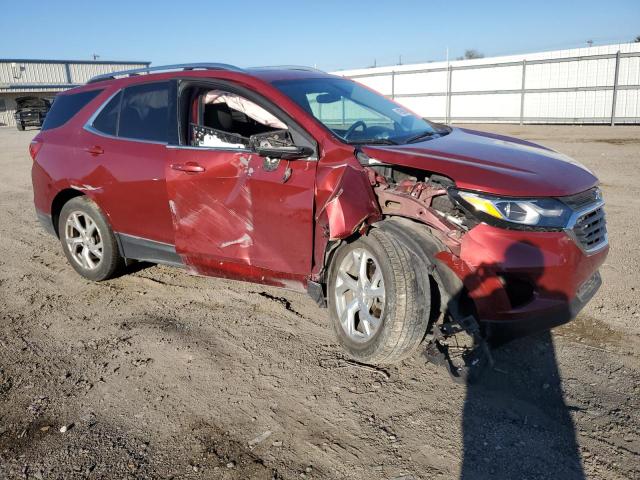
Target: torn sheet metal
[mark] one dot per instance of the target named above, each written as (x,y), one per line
(238,220)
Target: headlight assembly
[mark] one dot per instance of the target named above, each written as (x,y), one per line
(521,213)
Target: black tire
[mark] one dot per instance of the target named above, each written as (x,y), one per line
(405,316)
(110,263)
(20,126)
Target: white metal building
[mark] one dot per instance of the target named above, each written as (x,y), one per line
(584,85)
(45,78)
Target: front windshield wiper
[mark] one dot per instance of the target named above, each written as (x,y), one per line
(420,136)
(373,141)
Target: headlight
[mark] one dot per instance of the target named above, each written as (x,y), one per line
(542,213)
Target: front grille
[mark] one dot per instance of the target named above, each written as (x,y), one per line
(581,200)
(590,229)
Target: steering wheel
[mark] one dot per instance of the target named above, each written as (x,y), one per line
(351,130)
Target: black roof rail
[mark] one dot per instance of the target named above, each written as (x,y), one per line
(165,68)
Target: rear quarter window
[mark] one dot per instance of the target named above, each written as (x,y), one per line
(107,119)
(66,106)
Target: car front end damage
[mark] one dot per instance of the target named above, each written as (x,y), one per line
(497,281)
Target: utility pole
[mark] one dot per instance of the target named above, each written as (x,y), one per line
(95,56)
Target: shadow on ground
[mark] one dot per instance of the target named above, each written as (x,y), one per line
(515,423)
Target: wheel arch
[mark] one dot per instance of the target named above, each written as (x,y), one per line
(62,197)
(417,236)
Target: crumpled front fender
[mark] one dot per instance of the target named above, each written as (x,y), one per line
(344,201)
(351,203)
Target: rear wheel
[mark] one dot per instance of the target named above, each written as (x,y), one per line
(88,241)
(379,309)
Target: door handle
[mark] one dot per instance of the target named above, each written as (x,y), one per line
(189,167)
(95,150)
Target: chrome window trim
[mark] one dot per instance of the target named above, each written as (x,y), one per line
(232,150)
(92,118)
(214,149)
(90,129)
(573,220)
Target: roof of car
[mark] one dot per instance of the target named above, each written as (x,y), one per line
(268,74)
(271,74)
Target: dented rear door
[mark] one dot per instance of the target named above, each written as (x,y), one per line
(237,219)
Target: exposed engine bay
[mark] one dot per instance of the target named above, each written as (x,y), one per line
(455,340)
(422,196)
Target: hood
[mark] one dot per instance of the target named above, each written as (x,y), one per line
(491,163)
(32,102)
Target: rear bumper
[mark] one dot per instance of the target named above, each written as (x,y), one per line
(522,282)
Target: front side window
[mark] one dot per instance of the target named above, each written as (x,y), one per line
(223,119)
(66,106)
(355,113)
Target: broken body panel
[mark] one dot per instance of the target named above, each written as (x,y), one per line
(235,214)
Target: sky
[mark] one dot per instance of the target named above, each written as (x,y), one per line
(327,34)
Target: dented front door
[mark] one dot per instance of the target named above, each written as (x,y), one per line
(238,216)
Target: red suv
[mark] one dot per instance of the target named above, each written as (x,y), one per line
(408,230)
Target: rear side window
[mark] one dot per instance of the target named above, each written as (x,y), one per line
(66,106)
(107,119)
(144,112)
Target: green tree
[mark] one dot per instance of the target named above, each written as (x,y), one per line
(471,54)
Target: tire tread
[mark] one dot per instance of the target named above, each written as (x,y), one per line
(113,263)
(407,305)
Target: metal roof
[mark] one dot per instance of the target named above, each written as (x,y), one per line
(80,62)
(29,75)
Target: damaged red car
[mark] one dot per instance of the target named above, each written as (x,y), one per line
(410,232)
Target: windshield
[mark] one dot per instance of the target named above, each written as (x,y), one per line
(355,113)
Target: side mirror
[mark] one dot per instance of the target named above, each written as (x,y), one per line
(290,152)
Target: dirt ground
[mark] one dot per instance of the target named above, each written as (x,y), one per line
(158,374)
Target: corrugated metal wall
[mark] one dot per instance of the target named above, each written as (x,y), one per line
(44,78)
(564,86)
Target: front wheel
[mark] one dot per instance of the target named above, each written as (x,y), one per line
(20,126)
(378,305)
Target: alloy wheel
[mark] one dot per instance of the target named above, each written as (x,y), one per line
(84,240)
(360,295)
